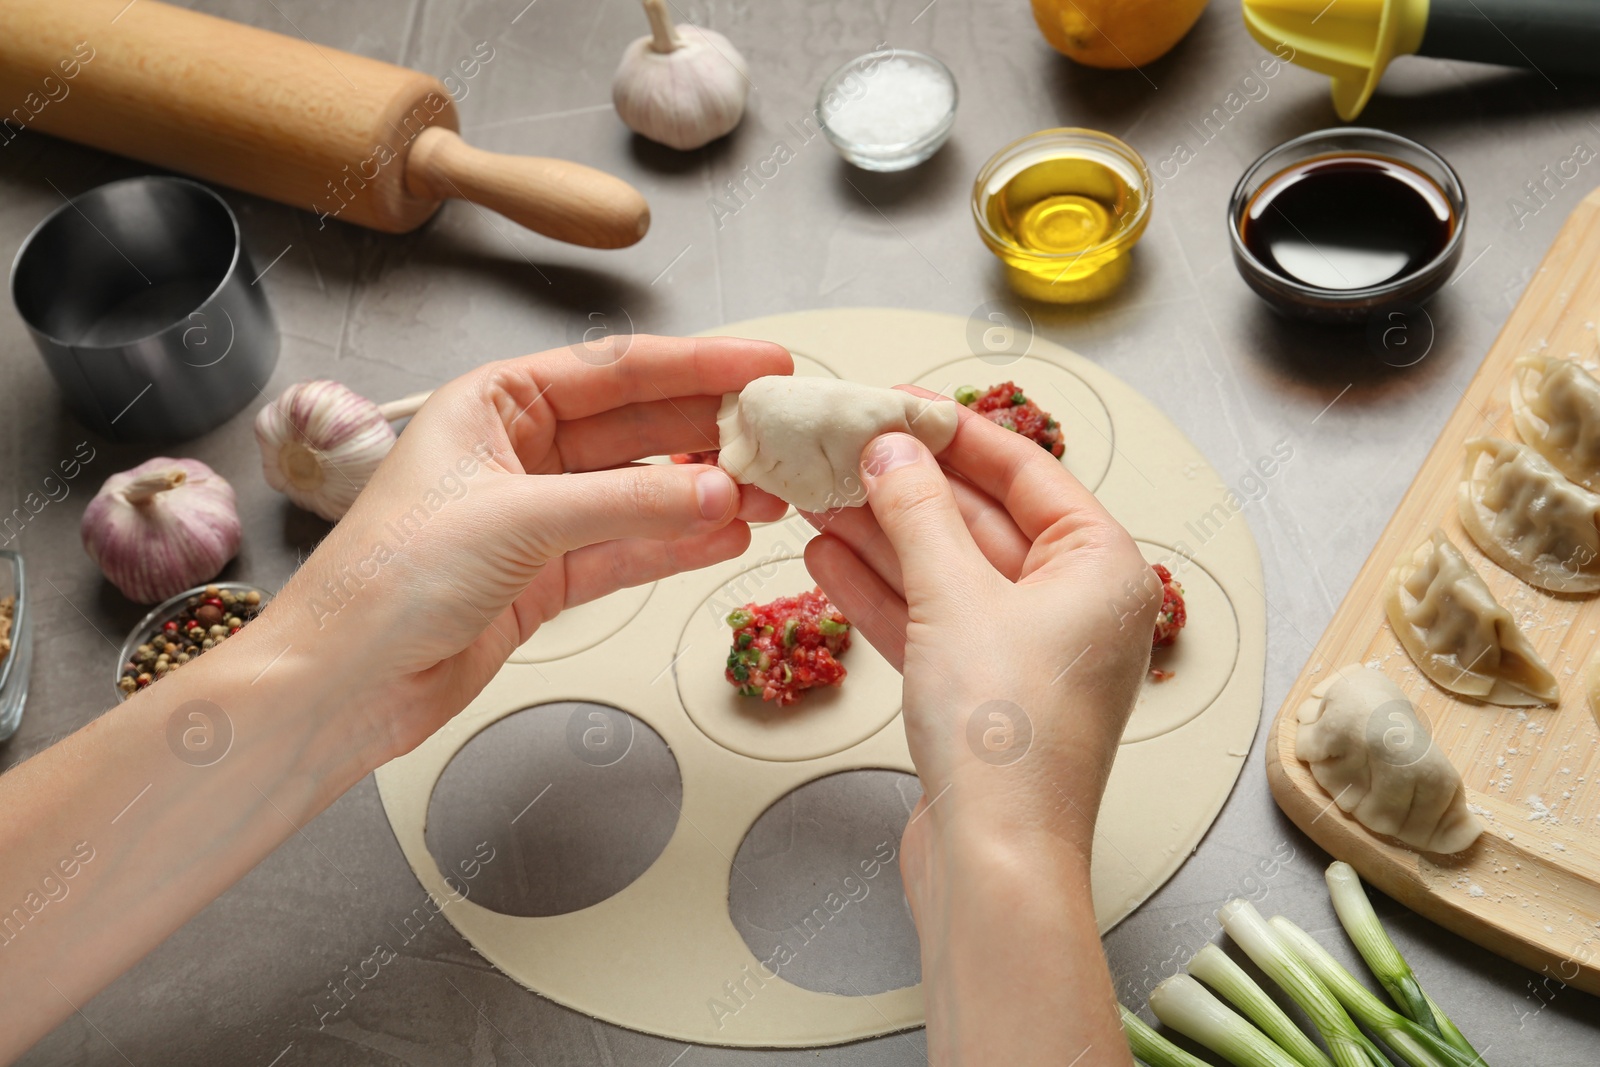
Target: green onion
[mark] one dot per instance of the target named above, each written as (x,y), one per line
(833,628)
(1150,1047)
(791,628)
(1450,1032)
(1186,1006)
(965,395)
(1383,957)
(749,691)
(1216,969)
(1348,1046)
(1017,399)
(742,642)
(739,618)
(740,672)
(1372,941)
(1419,1047)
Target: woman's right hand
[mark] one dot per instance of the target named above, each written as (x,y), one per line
(1018,610)
(1020,615)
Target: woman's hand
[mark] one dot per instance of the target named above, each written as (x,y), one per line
(1020,614)
(513,494)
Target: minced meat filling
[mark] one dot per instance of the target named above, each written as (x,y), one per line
(783,648)
(1007,405)
(1173,614)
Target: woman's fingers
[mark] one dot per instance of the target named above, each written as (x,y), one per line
(659,501)
(914,504)
(634,431)
(598,570)
(1030,483)
(876,611)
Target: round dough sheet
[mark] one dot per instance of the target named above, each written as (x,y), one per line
(663,955)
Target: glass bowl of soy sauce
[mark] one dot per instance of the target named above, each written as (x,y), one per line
(1338,224)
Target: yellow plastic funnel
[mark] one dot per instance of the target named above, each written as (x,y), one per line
(1351,41)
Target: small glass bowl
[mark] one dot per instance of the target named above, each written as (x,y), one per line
(1312,303)
(15,666)
(1064,277)
(146,627)
(885,157)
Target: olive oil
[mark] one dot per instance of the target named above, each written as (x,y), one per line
(1062,213)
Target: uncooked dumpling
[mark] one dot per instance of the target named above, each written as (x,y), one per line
(1556,406)
(1375,758)
(1528,518)
(801,439)
(1458,634)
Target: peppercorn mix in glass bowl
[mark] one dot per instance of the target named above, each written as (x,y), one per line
(180,629)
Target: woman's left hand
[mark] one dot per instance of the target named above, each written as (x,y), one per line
(516,493)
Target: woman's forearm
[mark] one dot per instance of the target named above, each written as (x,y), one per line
(117,835)
(1012,968)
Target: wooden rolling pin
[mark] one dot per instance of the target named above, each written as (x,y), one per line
(340,135)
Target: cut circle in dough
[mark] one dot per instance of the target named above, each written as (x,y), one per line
(823,722)
(554,808)
(1086,426)
(1201,659)
(579,629)
(815,889)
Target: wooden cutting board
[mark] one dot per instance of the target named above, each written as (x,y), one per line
(1529,888)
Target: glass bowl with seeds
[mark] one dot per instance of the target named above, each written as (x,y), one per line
(181,629)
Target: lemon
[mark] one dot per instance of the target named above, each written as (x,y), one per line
(1115,34)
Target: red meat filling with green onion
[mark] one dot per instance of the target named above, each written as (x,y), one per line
(1173,615)
(1007,405)
(783,648)
(697,457)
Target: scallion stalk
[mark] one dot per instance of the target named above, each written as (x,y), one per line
(1383,957)
(1216,969)
(1150,1047)
(1419,1047)
(1348,1046)
(1189,1008)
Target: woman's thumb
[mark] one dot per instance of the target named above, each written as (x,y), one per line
(912,500)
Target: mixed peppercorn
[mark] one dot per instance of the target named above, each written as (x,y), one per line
(1007,405)
(202,622)
(783,648)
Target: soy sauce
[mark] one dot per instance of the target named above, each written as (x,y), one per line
(1347,221)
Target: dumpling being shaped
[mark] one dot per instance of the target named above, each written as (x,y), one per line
(1458,634)
(1369,750)
(1555,404)
(801,439)
(1528,518)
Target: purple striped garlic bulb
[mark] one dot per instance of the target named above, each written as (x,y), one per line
(321,442)
(162,527)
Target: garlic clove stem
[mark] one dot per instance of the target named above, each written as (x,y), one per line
(405,407)
(145,488)
(663,36)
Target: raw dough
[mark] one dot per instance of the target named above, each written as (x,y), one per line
(1555,404)
(801,439)
(656,955)
(1458,634)
(1528,518)
(1369,750)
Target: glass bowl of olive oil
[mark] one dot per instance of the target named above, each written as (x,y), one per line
(1061,209)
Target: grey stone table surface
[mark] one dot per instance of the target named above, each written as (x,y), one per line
(248,980)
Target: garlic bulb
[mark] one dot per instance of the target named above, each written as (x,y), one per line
(321,442)
(162,527)
(682,86)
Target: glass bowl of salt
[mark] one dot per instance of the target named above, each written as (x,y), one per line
(889,109)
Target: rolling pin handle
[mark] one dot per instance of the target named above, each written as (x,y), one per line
(555,197)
